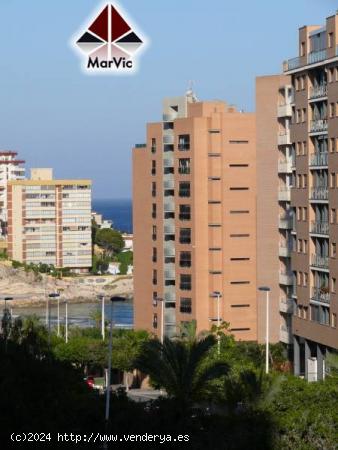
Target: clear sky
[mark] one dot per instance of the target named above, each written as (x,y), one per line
(56,116)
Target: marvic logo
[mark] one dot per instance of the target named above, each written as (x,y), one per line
(110,43)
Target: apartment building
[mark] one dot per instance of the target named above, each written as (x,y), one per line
(49,221)
(314,197)
(10,169)
(194,209)
(274,96)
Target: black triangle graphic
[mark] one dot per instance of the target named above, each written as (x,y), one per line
(131,37)
(88,38)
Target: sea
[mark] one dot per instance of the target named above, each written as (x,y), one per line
(119,211)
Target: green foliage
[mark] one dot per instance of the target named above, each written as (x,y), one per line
(3,255)
(110,240)
(42,268)
(125,259)
(180,367)
(306,415)
(127,347)
(100,264)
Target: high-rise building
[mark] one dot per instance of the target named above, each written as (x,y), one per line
(194,198)
(314,197)
(274,213)
(10,169)
(49,221)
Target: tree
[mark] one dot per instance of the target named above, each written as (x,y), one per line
(127,346)
(180,367)
(110,240)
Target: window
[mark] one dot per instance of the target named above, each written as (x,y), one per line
(334,320)
(153,213)
(153,167)
(239,189)
(239,235)
(185,305)
(331,73)
(303,114)
(330,40)
(184,142)
(238,165)
(302,48)
(333,250)
(239,259)
(333,285)
(154,234)
(185,236)
(185,259)
(184,166)
(333,215)
(185,282)
(240,306)
(332,145)
(153,189)
(304,181)
(240,211)
(154,299)
(305,279)
(239,142)
(153,145)
(154,277)
(239,282)
(332,109)
(155,323)
(304,213)
(184,190)
(185,212)
(154,254)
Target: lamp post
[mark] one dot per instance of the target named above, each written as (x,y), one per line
(52,296)
(218,295)
(267,290)
(7,318)
(101,297)
(159,299)
(113,300)
(66,322)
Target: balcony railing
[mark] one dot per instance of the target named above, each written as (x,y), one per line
(319,193)
(184,146)
(168,162)
(170,315)
(284,137)
(168,139)
(170,117)
(318,91)
(318,125)
(319,159)
(284,249)
(169,206)
(169,228)
(285,222)
(169,250)
(284,193)
(285,165)
(284,110)
(292,64)
(169,184)
(321,295)
(320,227)
(285,278)
(285,334)
(321,262)
(285,305)
(314,57)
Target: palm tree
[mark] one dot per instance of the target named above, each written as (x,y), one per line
(182,368)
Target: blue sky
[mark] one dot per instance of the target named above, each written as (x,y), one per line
(56,116)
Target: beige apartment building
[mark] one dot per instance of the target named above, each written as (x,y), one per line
(49,221)
(10,169)
(314,196)
(274,97)
(194,209)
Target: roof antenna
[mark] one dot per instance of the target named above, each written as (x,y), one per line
(190,94)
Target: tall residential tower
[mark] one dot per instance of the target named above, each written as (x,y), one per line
(195,219)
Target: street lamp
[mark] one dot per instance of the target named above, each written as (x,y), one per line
(113,300)
(218,295)
(159,299)
(52,296)
(267,290)
(101,297)
(66,324)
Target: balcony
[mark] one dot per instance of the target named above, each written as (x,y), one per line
(284,110)
(315,57)
(319,227)
(169,206)
(320,262)
(169,227)
(169,316)
(285,166)
(319,193)
(318,126)
(291,64)
(321,295)
(140,145)
(285,223)
(284,250)
(168,162)
(285,278)
(284,138)
(168,138)
(169,117)
(169,184)
(285,335)
(319,160)
(169,294)
(285,305)
(284,194)
(318,91)
(169,250)
(169,271)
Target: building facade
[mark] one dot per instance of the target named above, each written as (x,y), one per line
(49,221)
(274,213)
(314,197)
(10,169)
(194,213)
